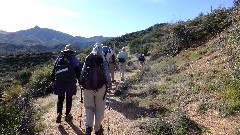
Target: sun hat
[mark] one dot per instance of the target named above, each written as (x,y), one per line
(97,49)
(97,44)
(69,48)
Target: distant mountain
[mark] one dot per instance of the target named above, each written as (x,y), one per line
(48,38)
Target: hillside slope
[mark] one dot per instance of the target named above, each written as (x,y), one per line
(161,102)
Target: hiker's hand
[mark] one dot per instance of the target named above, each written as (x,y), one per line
(109,85)
(79,83)
(52,84)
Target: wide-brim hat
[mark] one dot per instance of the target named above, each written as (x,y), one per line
(69,48)
(97,49)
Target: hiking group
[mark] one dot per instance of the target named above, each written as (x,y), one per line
(95,80)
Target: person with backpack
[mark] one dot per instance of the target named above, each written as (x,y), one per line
(96,81)
(112,63)
(122,58)
(64,76)
(141,60)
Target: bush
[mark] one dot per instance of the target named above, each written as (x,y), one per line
(200,28)
(16,116)
(170,67)
(13,92)
(186,126)
(23,76)
(157,127)
(39,82)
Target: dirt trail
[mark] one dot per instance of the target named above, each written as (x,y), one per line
(120,122)
(215,124)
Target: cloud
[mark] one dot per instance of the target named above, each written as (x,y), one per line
(22,14)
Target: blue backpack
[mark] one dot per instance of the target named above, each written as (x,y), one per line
(94,77)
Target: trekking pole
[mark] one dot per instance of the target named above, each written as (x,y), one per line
(81,106)
(108,111)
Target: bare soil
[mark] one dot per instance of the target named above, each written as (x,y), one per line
(119,122)
(212,120)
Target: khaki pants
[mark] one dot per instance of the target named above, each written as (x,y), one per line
(141,63)
(122,67)
(94,107)
(111,70)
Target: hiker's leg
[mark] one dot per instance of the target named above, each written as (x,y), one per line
(121,66)
(141,63)
(100,107)
(111,68)
(68,104)
(60,104)
(123,70)
(89,107)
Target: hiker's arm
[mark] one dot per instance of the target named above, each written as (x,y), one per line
(76,67)
(82,72)
(106,73)
(77,72)
(52,78)
(113,59)
(53,74)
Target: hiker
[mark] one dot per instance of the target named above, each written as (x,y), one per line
(112,63)
(64,76)
(122,58)
(141,60)
(95,67)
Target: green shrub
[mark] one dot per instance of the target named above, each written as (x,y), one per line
(170,67)
(13,92)
(161,128)
(202,108)
(39,82)
(231,108)
(122,88)
(186,126)
(131,102)
(23,76)
(16,116)
(157,106)
(231,90)
(157,127)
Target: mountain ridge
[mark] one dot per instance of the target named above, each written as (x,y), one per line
(45,37)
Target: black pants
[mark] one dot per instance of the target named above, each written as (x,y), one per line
(60,104)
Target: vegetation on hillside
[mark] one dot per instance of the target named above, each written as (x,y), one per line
(24,77)
(190,62)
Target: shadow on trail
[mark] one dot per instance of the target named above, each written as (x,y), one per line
(131,111)
(62,130)
(75,128)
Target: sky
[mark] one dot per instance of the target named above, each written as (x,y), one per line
(109,18)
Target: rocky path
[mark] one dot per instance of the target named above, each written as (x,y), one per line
(120,123)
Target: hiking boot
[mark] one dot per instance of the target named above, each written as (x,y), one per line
(68,117)
(88,131)
(122,79)
(113,81)
(100,131)
(58,119)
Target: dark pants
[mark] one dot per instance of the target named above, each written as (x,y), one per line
(60,104)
